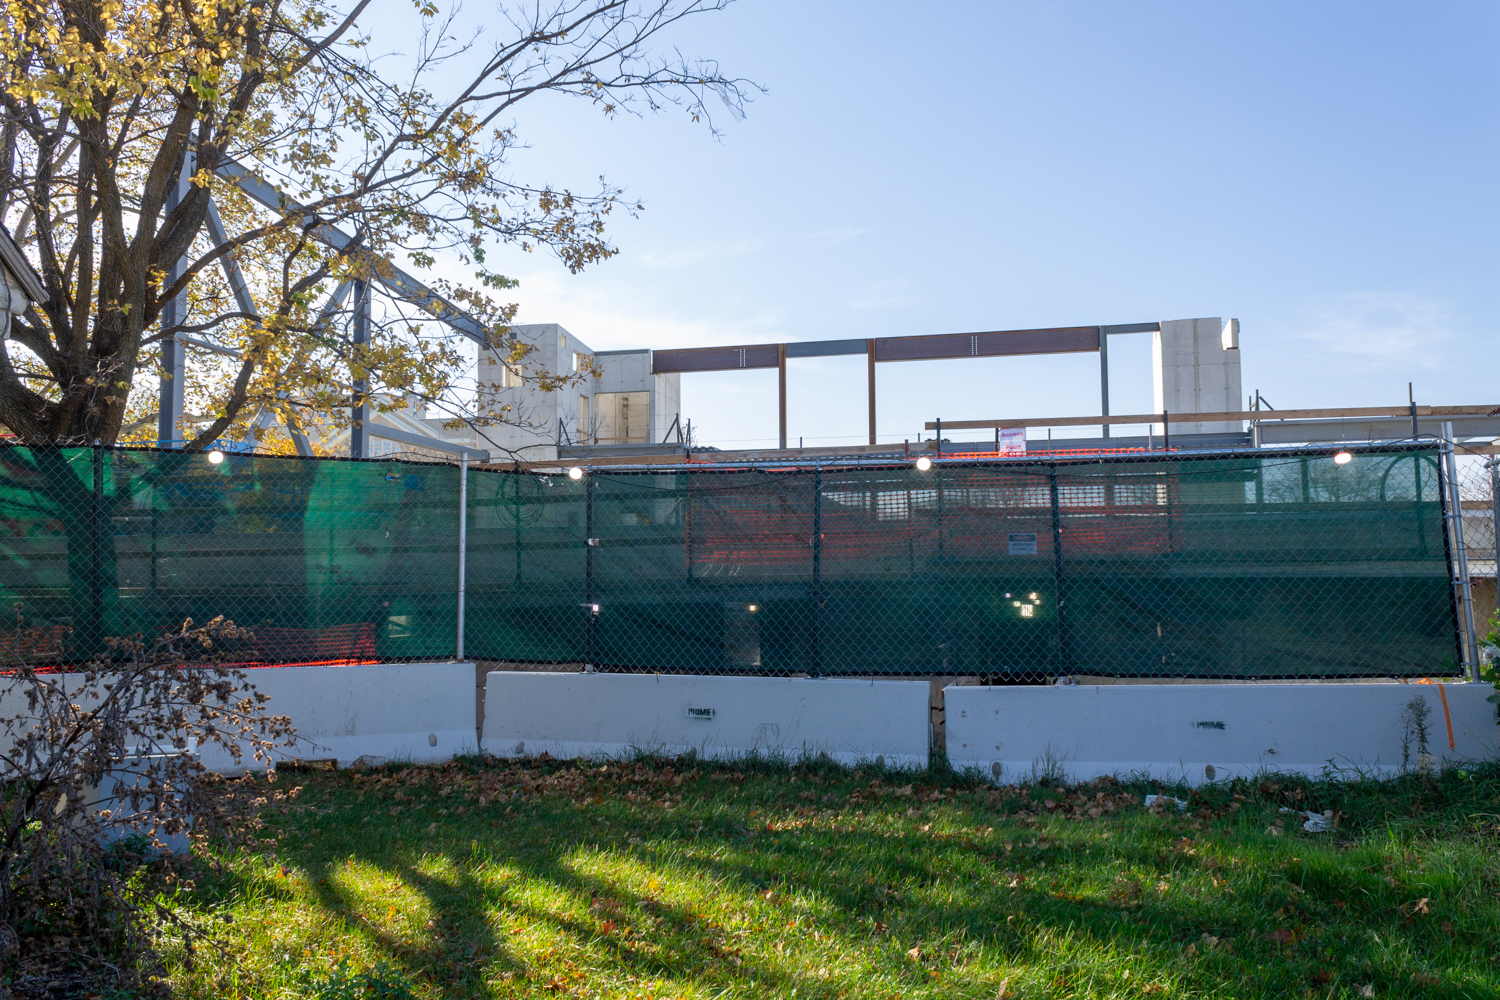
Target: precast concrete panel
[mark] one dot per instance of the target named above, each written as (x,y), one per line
(617,715)
(421,712)
(1196,369)
(389,711)
(1203,732)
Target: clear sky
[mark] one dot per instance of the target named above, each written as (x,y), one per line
(1325,172)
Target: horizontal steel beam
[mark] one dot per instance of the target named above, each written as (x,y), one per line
(714,359)
(995,343)
(827,348)
(1266,418)
(204,345)
(921,347)
(402,285)
(436,444)
(1375,428)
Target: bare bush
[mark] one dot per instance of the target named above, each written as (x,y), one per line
(100,776)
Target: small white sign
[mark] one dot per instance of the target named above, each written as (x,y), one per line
(1022,544)
(1012,440)
(700,713)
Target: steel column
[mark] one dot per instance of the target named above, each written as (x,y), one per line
(359,425)
(169,430)
(781,391)
(1103,375)
(870,356)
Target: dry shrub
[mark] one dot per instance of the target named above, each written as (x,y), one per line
(100,782)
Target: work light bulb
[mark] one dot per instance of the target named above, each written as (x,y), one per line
(575,473)
(924,463)
(1343,458)
(215,457)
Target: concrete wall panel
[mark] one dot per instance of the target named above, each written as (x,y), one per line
(1173,731)
(614,715)
(394,711)
(397,711)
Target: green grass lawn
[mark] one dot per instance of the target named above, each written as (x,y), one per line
(664,880)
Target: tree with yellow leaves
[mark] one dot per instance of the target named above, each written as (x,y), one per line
(132,130)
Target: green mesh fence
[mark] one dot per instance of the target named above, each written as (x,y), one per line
(1267,564)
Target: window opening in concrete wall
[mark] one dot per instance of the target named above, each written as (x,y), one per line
(585,424)
(623,417)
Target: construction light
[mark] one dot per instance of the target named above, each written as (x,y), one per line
(752,608)
(924,463)
(575,473)
(215,457)
(1343,458)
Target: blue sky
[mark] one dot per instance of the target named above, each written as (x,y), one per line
(1324,172)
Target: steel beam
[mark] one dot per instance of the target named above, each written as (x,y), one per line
(436,444)
(826,348)
(716,359)
(400,284)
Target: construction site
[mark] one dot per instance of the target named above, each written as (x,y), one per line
(1290,561)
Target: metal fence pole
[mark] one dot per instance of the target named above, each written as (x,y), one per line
(1059,581)
(516,481)
(463,545)
(817,574)
(590,607)
(1468,645)
(96,574)
(1494,467)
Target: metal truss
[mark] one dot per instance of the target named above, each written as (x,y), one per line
(396,282)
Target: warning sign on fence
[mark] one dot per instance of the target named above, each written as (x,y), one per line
(1023,544)
(1012,441)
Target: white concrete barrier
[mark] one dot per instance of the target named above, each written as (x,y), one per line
(615,715)
(394,711)
(1202,732)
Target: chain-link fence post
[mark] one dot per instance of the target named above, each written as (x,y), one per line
(515,480)
(1494,467)
(1458,560)
(96,571)
(590,607)
(463,546)
(817,574)
(1059,580)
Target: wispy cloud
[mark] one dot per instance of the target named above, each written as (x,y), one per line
(613,316)
(886,295)
(1372,330)
(697,254)
(832,236)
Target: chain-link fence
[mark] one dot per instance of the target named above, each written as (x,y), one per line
(1476,484)
(1252,564)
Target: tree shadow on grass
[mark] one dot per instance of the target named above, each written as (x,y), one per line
(862,880)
